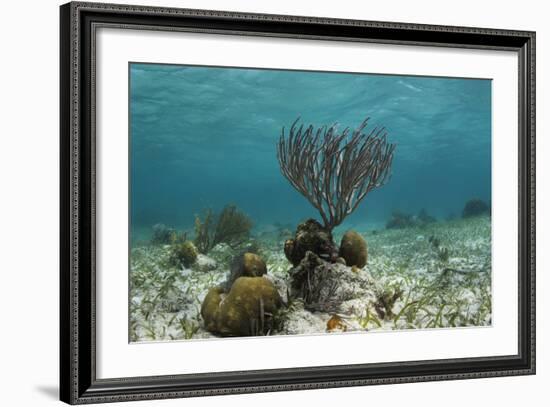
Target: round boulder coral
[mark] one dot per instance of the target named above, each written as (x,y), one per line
(245,311)
(210,309)
(353,249)
(245,265)
(253,265)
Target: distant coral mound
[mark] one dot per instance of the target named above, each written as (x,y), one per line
(231,226)
(184,254)
(475,207)
(402,220)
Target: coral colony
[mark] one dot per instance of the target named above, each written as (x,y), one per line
(335,171)
(418,272)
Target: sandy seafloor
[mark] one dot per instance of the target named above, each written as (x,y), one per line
(439,290)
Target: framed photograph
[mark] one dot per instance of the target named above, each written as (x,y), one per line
(255,203)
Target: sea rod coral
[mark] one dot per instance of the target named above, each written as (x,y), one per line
(335,170)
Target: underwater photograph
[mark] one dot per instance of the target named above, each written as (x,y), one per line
(289,202)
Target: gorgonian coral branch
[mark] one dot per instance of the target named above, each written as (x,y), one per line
(335,171)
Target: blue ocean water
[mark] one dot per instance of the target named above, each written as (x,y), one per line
(203,137)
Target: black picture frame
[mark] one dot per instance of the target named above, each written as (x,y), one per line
(78,382)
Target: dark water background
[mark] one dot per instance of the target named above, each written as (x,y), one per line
(203,137)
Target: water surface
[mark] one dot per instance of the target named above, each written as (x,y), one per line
(203,137)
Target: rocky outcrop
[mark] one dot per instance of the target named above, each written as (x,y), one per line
(325,286)
(313,237)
